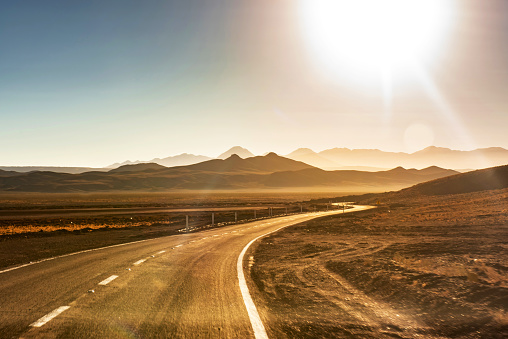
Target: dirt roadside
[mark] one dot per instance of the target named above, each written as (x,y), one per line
(424,270)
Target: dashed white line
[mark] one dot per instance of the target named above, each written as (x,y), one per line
(108,280)
(70,254)
(160,252)
(139,262)
(49,316)
(178,246)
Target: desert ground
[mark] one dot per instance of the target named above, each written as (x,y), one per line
(34,226)
(429,267)
(416,266)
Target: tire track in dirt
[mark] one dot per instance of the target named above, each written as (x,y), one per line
(353,249)
(375,314)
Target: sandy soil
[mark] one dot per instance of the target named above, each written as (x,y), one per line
(431,268)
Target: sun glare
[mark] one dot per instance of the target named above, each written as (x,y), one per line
(365,38)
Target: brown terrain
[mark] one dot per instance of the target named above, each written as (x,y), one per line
(424,264)
(429,262)
(270,172)
(34,226)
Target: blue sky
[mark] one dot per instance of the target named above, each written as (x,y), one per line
(95,82)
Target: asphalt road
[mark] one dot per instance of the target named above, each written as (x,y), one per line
(177,286)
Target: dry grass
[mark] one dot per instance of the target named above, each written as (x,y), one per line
(13,229)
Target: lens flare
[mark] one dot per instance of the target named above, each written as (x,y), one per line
(362,38)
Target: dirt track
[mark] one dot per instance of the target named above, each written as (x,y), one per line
(389,273)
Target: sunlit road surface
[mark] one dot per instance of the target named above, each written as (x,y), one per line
(177,286)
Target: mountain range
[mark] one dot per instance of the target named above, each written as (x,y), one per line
(176,160)
(331,159)
(364,159)
(373,159)
(234,173)
(188,159)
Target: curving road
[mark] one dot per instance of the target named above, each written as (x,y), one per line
(176,286)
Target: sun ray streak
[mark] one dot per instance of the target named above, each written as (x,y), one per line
(446,110)
(387,88)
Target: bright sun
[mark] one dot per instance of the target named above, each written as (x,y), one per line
(365,38)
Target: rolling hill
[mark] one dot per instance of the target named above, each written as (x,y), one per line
(234,173)
(481,180)
(397,177)
(478,183)
(265,164)
(57,169)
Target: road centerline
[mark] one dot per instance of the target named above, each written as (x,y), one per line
(42,321)
(139,262)
(108,280)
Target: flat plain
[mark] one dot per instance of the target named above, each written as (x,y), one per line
(34,226)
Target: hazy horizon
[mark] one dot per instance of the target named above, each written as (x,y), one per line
(481,160)
(91,84)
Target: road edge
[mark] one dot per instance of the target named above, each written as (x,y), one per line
(255,319)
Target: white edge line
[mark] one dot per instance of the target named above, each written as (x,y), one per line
(139,262)
(49,316)
(70,254)
(255,319)
(108,280)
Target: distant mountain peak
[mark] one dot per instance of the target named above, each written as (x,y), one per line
(234,157)
(398,169)
(240,151)
(431,149)
(138,167)
(301,151)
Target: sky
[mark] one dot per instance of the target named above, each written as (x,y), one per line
(90,83)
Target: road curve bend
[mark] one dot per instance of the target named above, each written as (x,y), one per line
(189,285)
